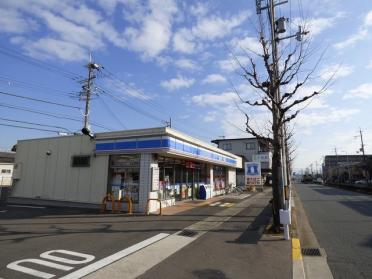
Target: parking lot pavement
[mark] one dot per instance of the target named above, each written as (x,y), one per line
(31,232)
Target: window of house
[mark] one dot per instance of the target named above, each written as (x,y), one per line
(80,161)
(3,171)
(226,146)
(250,146)
(8,171)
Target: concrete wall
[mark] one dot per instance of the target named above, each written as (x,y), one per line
(52,177)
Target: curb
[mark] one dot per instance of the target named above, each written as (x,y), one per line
(298,269)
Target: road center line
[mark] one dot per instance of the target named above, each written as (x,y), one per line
(117,256)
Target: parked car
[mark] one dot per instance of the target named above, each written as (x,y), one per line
(319,180)
(361,182)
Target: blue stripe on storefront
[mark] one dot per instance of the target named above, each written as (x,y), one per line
(169,144)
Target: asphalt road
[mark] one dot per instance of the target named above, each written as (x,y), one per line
(25,233)
(28,232)
(342,223)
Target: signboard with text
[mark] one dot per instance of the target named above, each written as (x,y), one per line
(252,173)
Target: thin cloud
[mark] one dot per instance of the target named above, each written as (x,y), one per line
(177,83)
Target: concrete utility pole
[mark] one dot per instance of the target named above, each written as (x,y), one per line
(87,94)
(364,154)
(362,144)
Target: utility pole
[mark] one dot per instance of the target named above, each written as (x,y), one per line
(277,26)
(86,94)
(168,123)
(362,144)
(364,154)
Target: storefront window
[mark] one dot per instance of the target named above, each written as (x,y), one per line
(219,177)
(180,179)
(124,176)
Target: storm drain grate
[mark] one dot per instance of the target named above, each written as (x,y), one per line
(188,233)
(310,252)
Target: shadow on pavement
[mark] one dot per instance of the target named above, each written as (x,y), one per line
(334,191)
(209,274)
(255,229)
(363,207)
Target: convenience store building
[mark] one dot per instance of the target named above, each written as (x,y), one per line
(144,163)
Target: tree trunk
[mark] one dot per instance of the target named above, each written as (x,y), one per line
(276,173)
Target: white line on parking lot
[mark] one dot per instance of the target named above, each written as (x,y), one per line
(117,256)
(2,211)
(26,206)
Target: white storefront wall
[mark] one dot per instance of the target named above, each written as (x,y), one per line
(45,173)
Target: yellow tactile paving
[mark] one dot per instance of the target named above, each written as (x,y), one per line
(296,249)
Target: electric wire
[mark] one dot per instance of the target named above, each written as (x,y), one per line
(38,100)
(140,111)
(130,87)
(38,63)
(23,84)
(111,112)
(36,124)
(152,104)
(29,128)
(60,116)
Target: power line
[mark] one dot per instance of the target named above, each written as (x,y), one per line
(130,87)
(37,124)
(37,100)
(29,128)
(38,63)
(140,111)
(112,113)
(19,83)
(60,116)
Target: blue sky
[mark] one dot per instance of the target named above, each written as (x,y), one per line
(173,59)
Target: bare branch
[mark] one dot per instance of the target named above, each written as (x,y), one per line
(251,131)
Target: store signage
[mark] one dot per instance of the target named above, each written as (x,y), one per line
(252,173)
(155,178)
(118,162)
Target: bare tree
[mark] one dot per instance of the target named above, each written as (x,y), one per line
(268,79)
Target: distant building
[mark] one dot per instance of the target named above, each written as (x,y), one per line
(342,168)
(251,150)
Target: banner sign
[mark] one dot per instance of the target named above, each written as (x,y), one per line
(252,173)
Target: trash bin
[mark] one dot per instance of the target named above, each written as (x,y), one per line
(202,192)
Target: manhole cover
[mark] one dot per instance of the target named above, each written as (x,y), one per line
(188,233)
(310,252)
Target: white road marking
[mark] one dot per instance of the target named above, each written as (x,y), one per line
(26,206)
(215,203)
(15,266)
(3,211)
(143,260)
(225,204)
(115,257)
(86,258)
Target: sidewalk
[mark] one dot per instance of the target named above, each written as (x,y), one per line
(228,244)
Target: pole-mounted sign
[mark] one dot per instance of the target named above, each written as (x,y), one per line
(252,174)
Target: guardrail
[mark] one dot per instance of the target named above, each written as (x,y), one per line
(148,203)
(127,200)
(116,204)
